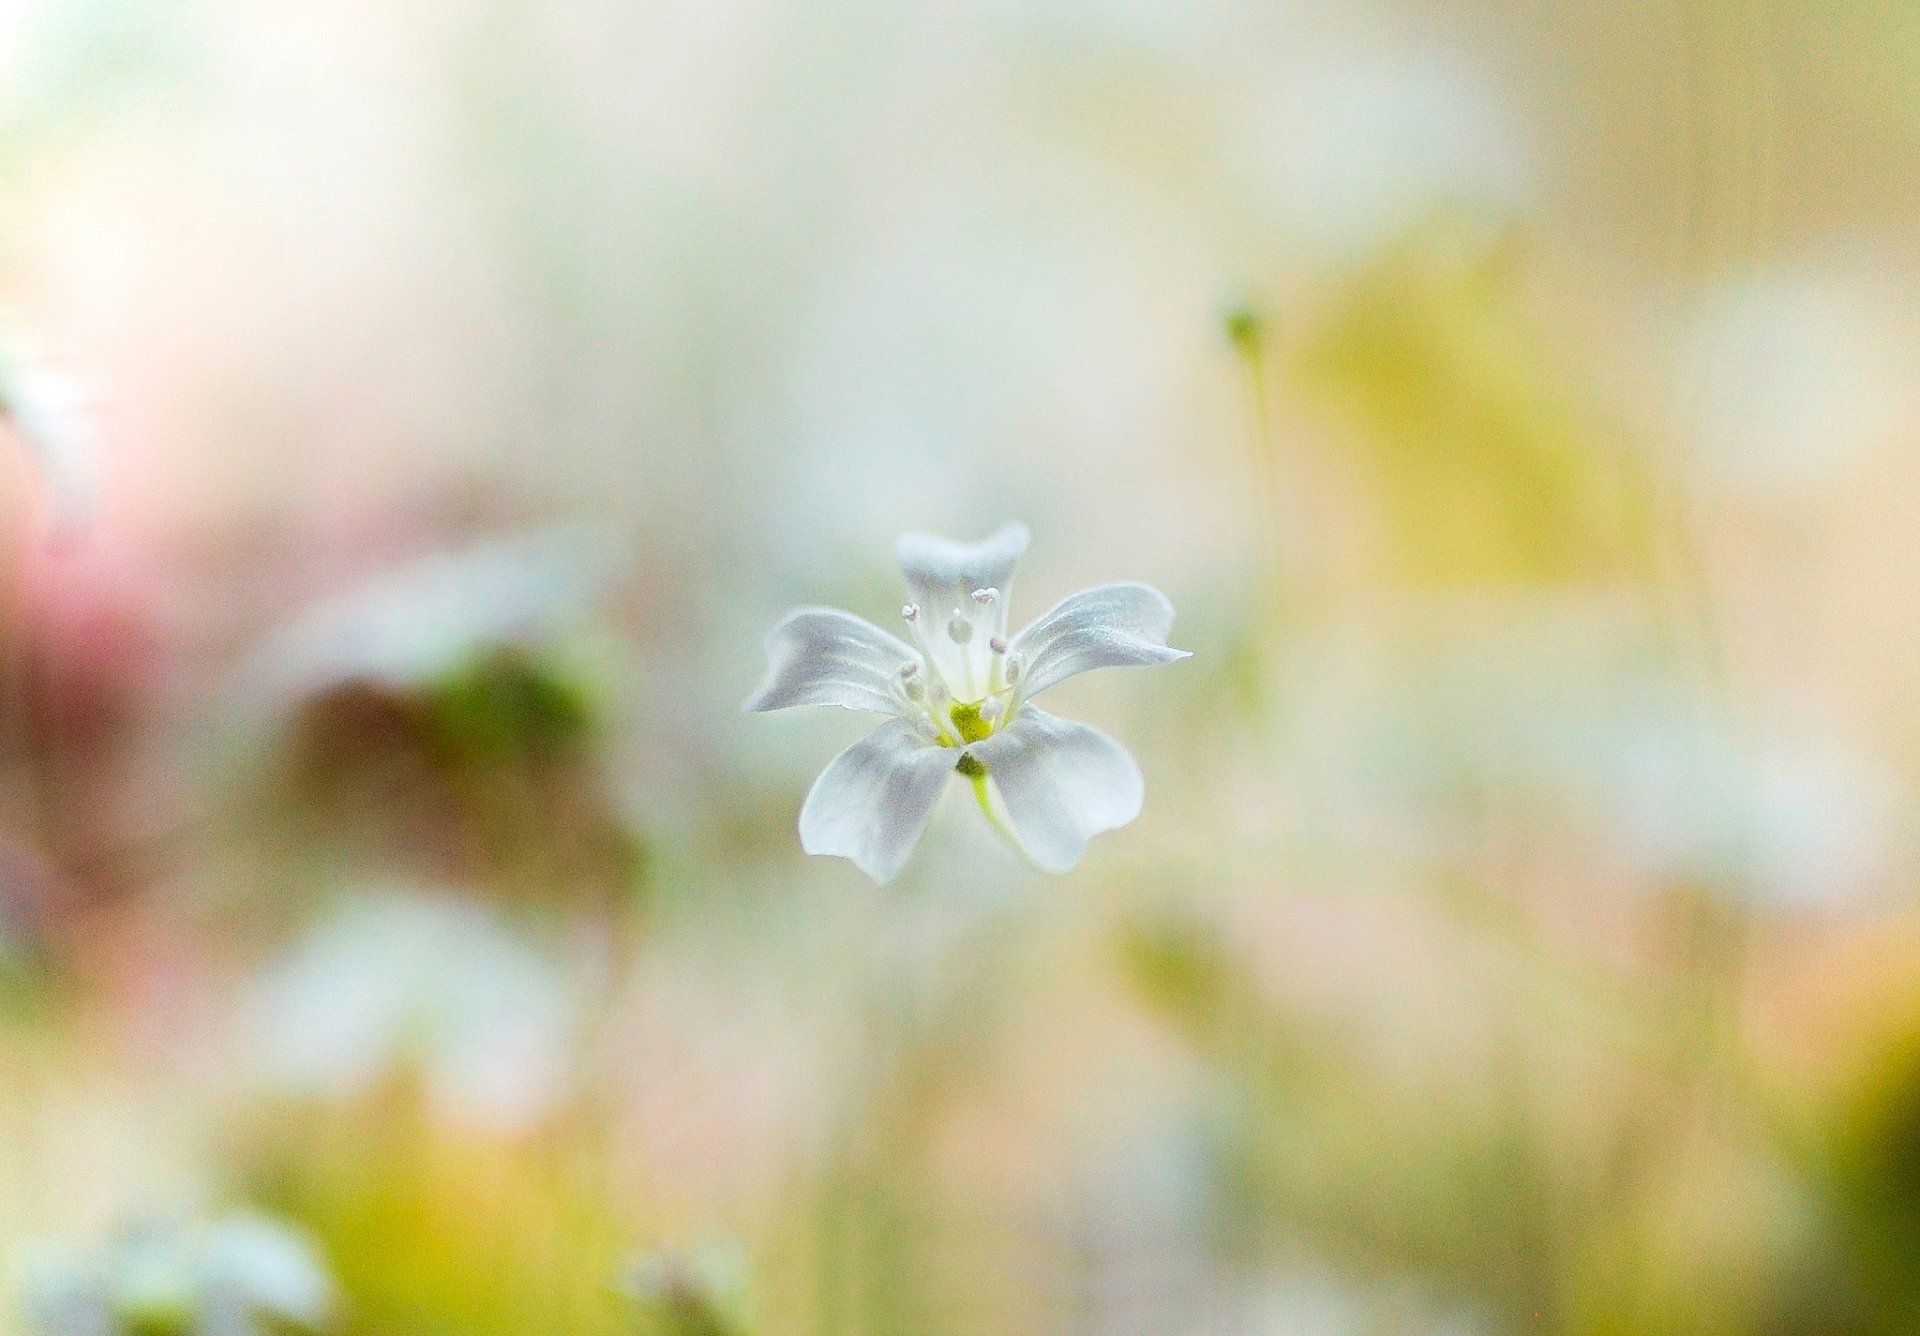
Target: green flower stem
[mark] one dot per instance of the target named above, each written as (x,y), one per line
(994,819)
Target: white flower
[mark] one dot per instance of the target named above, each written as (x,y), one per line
(48,412)
(960,700)
(242,1275)
(425,619)
(702,1289)
(421,979)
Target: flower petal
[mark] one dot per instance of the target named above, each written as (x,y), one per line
(943,574)
(1109,626)
(1062,783)
(873,799)
(823,656)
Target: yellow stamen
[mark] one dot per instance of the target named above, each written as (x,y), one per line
(968,723)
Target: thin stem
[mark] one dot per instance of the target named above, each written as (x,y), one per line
(994,819)
(966,673)
(1247,331)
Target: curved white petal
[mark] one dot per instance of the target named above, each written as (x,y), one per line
(1061,783)
(823,656)
(270,1269)
(873,799)
(943,574)
(1109,626)
(942,577)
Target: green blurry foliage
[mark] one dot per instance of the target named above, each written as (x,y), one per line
(505,707)
(1311,1142)
(884,1231)
(864,1250)
(1448,1182)
(1870,1156)
(490,775)
(1181,968)
(880,1242)
(1670,1212)
(509,705)
(1728,1241)
(1247,331)
(1488,463)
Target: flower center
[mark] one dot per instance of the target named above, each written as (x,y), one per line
(965,681)
(969,724)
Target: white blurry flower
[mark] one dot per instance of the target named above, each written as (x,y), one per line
(1795,375)
(424,979)
(46,411)
(1350,150)
(238,1276)
(959,698)
(428,618)
(1307,1299)
(701,1291)
(1797,820)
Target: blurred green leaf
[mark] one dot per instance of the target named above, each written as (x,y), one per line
(507,704)
(1871,1172)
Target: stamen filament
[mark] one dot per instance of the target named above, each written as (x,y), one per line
(996,682)
(960,632)
(918,624)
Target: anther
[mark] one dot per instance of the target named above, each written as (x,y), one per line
(985,596)
(959,629)
(997,645)
(915,689)
(1013,670)
(911,612)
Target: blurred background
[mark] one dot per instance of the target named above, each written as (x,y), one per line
(415,413)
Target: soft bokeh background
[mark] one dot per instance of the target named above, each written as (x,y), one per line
(418,411)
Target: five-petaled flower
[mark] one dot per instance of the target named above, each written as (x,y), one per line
(960,697)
